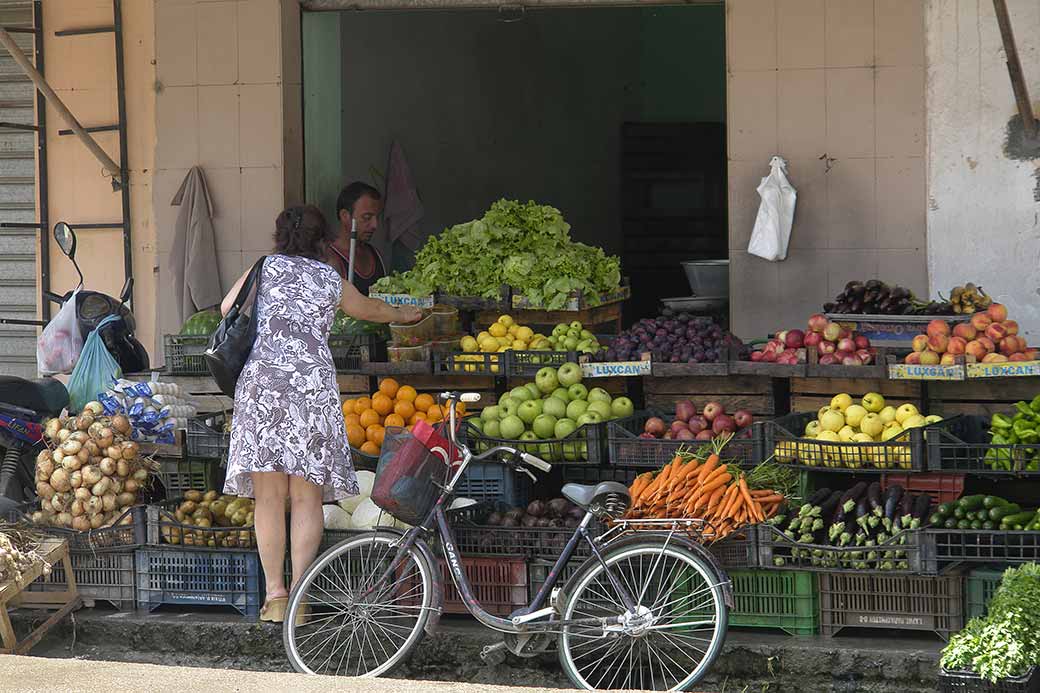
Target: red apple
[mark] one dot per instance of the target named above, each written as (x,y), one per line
(846,344)
(987,343)
(743,418)
(684,410)
(997,312)
(1018,357)
(965,331)
(948,359)
(769,357)
(1011,326)
(938,343)
(866,356)
(938,327)
(813,339)
(818,322)
(1032,354)
(995,358)
(649,436)
(832,332)
(678,425)
(996,331)
(929,358)
(914,357)
(976,348)
(697,424)
(723,423)
(712,410)
(756,356)
(684,434)
(795,339)
(851,360)
(956,346)
(706,434)
(862,341)
(788,359)
(980,321)
(1009,345)
(828,360)
(920,342)
(826,347)
(668,436)
(655,426)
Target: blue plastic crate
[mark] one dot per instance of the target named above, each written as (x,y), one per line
(489,481)
(199,578)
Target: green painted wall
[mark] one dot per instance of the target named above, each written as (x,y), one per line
(322,109)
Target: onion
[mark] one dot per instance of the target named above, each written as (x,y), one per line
(69,423)
(79,436)
(101,487)
(131,486)
(84,456)
(76,479)
(109,467)
(78,508)
(51,428)
(64,519)
(91,475)
(45,467)
(141,475)
(92,448)
(122,469)
(94,408)
(82,494)
(84,422)
(95,430)
(124,500)
(94,506)
(105,438)
(121,424)
(38,517)
(114,452)
(71,463)
(63,435)
(130,451)
(81,523)
(57,455)
(44,490)
(71,447)
(115,485)
(96,520)
(60,480)
(108,502)
(44,455)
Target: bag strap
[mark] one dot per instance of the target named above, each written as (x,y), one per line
(247,287)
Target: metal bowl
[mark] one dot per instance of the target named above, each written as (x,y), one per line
(707,277)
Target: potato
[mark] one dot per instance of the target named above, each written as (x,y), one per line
(210,495)
(189,507)
(217,508)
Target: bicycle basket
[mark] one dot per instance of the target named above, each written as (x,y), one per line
(407,477)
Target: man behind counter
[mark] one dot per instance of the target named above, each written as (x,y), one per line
(362,203)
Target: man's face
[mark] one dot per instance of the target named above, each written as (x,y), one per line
(366,213)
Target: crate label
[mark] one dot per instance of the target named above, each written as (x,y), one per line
(913,371)
(613,369)
(1016,369)
(404,300)
(892,620)
(191,597)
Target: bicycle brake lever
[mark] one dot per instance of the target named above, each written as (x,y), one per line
(528,473)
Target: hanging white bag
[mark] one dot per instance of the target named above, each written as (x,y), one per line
(58,347)
(772,230)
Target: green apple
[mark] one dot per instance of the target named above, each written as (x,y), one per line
(564,428)
(812,429)
(561,393)
(932,418)
(521,394)
(536,393)
(554,406)
(589,417)
(854,414)
(585,334)
(905,411)
(578,391)
(507,406)
(862,438)
(846,433)
(576,408)
(823,410)
(570,344)
(476,423)
(492,413)
(493,429)
(872,425)
(546,380)
(915,421)
(602,408)
(598,394)
(511,427)
(529,411)
(575,325)
(544,426)
(569,374)
(841,402)
(560,330)
(873,401)
(887,414)
(892,431)
(574,334)
(832,420)
(622,408)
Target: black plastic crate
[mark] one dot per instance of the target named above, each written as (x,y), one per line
(186,577)
(778,552)
(205,437)
(626,448)
(473,536)
(783,439)
(593,474)
(967,682)
(117,537)
(185,355)
(470,363)
(963,444)
(950,547)
(528,363)
(106,576)
(738,550)
(350,353)
(165,529)
(902,602)
(178,476)
(587,445)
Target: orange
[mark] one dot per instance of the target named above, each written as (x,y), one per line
(370,448)
(417,416)
(389,387)
(351,419)
(369,418)
(356,435)
(361,404)
(382,404)
(407,394)
(423,402)
(460,408)
(394,420)
(348,406)
(434,414)
(404,409)
(375,434)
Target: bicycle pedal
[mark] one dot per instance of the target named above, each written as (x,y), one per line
(493,652)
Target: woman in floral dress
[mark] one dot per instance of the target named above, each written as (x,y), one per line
(288,439)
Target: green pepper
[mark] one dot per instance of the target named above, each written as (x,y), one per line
(1000,421)
(999,458)
(1035,405)
(1025,410)
(1024,428)
(1029,437)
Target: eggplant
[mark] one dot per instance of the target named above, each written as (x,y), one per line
(922,504)
(814,500)
(829,506)
(852,496)
(891,504)
(874,498)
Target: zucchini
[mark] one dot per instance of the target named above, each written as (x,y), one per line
(960,512)
(976,524)
(992,502)
(963,524)
(946,509)
(1021,518)
(936,519)
(951,523)
(971,502)
(998,514)
(988,525)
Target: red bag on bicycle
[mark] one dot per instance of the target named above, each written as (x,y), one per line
(409,477)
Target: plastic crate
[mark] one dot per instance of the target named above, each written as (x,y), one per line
(499,584)
(585,446)
(783,439)
(199,578)
(458,363)
(881,601)
(626,448)
(962,444)
(491,481)
(591,474)
(949,547)
(738,550)
(165,529)
(979,587)
(943,488)
(350,353)
(178,476)
(185,355)
(788,601)
(538,573)
(778,552)
(523,363)
(114,538)
(101,577)
(967,682)
(205,437)
(474,537)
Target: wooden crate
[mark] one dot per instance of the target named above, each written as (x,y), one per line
(983,397)
(809,394)
(13,594)
(763,397)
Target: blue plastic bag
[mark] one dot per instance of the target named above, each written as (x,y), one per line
(95,371)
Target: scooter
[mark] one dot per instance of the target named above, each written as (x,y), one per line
(25,404)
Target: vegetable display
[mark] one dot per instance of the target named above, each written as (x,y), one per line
(90,472)
(1021,428)
(1006,642)
(345,325)
(200,511)
(835,345)
(708,423)
(525,246)
(985,512)
(863,517)
(505,334)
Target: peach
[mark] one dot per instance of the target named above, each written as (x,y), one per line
(1011,326)
(1022,344)
(948,359)
(996,331)
(965,331)
(914,357)
(995,358)
(997,312)
(976,349)
(1032,354)
(1008,346)
(938,327)
(1018,357)
(980,321)
(938,343)
(929,358)
(988,343)
(957,346)
(920,342)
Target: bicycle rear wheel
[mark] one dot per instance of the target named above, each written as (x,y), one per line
(668,644)
(343,631)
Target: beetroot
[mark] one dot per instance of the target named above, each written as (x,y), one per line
(706,434)
(655,426)
(685,434)
(684,409)
(723,423)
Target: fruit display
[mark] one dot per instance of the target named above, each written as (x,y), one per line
(393,404)
(672,337)
(506,334)
(1021,428)
(786,347)
(989,337)
(690,423)
(834,344)
(90,472)
(553,407)
(201,324)
(525,246)
(968,299)
(983,512)
(872,524)
(875,297)
(869,421)
(204,518)
(706,488)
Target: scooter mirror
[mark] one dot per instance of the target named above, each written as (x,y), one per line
(65,237)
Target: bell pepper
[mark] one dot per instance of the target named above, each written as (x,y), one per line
(1000,422)
(1035,405)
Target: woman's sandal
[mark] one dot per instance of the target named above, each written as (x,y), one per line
(273,610)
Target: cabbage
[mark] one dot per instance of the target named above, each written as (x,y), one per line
(367,515)
(336,517)
(365,482)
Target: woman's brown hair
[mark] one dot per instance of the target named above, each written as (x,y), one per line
(302,231)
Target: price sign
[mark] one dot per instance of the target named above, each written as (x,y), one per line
(910,371)
(1012,369)
(616,369)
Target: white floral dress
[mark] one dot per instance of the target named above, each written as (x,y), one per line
(287,414)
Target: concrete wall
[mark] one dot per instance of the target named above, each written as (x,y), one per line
(836,87)
(982,205)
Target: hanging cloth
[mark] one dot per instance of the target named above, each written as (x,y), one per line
(193,257)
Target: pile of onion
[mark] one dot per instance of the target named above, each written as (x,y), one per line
(91,471)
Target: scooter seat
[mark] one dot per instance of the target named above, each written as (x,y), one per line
(44,396)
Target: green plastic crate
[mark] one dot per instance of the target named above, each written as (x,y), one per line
(980,586)
(785,600)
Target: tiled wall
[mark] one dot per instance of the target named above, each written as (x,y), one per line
(228,100)
(835,87)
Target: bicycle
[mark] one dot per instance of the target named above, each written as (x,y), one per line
(647,610)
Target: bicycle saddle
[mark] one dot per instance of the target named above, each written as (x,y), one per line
(582,495)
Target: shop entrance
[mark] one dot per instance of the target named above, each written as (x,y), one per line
(614,115)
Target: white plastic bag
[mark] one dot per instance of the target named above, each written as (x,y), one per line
(772,230)
(57,349)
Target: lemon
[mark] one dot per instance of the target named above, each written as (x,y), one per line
(503,349)
(507,320)
(524,334)
(519,345)
(483,335)
(505,341)
(513,329)
(469,344)
(498,330)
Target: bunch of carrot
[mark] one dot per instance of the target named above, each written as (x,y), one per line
(689,488)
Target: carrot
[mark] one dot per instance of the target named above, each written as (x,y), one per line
(639,485)
(729,500)
(720,480)
(715,474)
(741,516)
(767,500)
(709,465)
(742,485)
(761,492)
(686,472)
(715,497)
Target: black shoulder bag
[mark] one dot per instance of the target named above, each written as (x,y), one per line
(231,344)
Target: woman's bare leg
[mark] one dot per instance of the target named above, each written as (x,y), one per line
(271,490)
(307,524)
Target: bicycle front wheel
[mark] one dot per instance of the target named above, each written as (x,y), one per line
(340,622)
(667,644)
